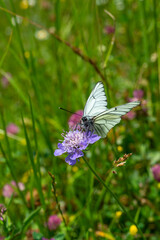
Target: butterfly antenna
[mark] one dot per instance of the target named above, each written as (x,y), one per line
(69,111)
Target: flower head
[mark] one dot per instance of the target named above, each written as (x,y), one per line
(137,95)
(2,211)
(75,119)
(156,172)
(24,4)
(118,214)
(74,143)
(9,189)
(109,29)
(53,222)
(12,129)
(41,34)
(130,115)
(133,230)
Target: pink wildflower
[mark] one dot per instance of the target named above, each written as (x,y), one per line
(53,222)
(156,172)
(109,29)
(12,129)
(2,211)
(9,189)
(75,119)
(130,115)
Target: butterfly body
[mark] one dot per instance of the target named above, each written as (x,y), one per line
(87,123)
(97,117)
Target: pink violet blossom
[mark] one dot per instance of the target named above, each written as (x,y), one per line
(2,211)
(130,115)
(12,129)
(75,119)
(53,222)
(137,95)
(9,189)
(156,172)
(109,29)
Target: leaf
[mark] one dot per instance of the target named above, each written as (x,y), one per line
(37,236)
(59,236)
(30,218)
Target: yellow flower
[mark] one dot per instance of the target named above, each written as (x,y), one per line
(158,185)
(104,235)
(120,148)
(24,4)
(74,168)
(133,230)
(27,54)
(23,141)
(118,214)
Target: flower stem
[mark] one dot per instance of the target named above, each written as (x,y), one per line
(57,201)
(55,195)
(113,195)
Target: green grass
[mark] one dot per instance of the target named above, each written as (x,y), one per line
(60,71)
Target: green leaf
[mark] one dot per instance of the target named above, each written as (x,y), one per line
(30,218)
(37,236)
(59,236)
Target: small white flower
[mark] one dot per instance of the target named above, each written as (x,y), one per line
(41,34)
(32,3)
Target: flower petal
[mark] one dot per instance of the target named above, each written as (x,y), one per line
(76,154)
(94,138)
(69,160)
(84,145)
(58,152)
(60,145)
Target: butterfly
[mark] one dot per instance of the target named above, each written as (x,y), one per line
(97,117)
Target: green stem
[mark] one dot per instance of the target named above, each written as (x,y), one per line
(114,196)
(57,201)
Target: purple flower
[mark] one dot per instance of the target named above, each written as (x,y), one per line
(74,143)
(12,129)
(2,211)
(75,119)
(53,222)
(138,94)
(109,29)
(156,172)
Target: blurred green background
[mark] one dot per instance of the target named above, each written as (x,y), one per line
(52,53)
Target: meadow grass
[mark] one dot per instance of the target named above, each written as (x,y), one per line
(52,53)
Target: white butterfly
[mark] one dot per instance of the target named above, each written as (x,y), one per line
(97,117)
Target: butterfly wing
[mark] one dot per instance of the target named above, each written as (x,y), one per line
(97,101)
(108,119)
